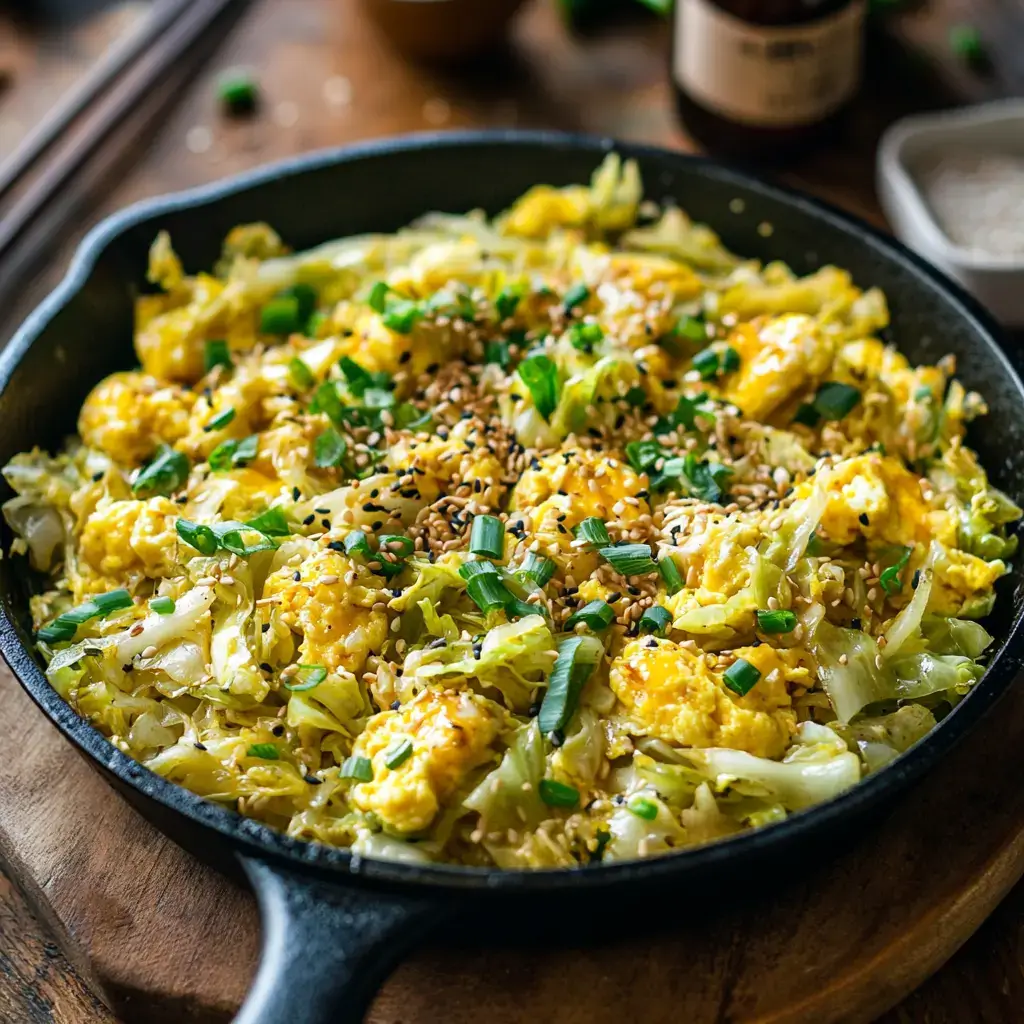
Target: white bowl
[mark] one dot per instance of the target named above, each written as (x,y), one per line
(997,281)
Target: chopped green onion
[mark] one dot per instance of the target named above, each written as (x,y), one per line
(558,794)
(485,586)
(329,449)
(305,296)
(508,300)
(923,394)
(359,380)
(356,543)
(308,677)
(497,352)
(396,547)
(584,337)
(246,450)
(327,401)
(890,578)
(597,615)
(966,43)
(539,373)
(487,537)
(200,537)
(272,522)
(834,400)
(686,411)
(358,768)
(730,359)
(655,620)
(216,353)
(377,299)
(576,296)
(691,328)
(807,415)
(264,751)
(575,661)
(776,621)
(706,363)
(220,421)
(315,323)
(231,536)
(281,315)
(643,455)
(164,475)
(670,575)
(398,753)
(741,676)
(704,479)
(65,625)
(635,397)
(162,605)
(643,808)
(593,531)
(221,456)
(237,91)
(300,374)
(630,559)
(401,316)
(408,417)
(538,568)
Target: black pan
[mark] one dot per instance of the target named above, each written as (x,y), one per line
(334,924)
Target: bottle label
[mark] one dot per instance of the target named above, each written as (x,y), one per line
(767,75)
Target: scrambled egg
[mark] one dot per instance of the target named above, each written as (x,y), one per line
(778,358)
(674,694)
(451,732)
(336,619)
(128,414)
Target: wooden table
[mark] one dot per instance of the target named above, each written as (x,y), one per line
(327,79)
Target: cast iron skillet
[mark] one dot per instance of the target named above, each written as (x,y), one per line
(334,923)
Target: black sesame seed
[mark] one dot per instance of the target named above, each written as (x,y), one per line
(278,730)
(198,745)
(308,521)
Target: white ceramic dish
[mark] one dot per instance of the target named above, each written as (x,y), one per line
(997,281)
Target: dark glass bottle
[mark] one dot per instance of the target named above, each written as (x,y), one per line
(763,80)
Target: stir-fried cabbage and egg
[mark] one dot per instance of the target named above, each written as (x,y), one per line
(541,541)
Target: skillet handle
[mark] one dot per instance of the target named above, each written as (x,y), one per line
(326,948)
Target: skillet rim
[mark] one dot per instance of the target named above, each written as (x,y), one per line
(254,839)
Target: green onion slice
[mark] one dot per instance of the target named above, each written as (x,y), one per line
(741,676)
(497,352)
(272,522)
(730,359)
(216,353)
(776,621)
(630,559)
(306,678)
(834,400)
(162,605)
(246,450)
(583,337)
(200,537)
(691,328)
(281,315)
(643,808)
(485,586)
(358,768)
(593,531)
(890,578)
(398,753)
(378,296)
(576,296)
(577,656)
(706,363)
(220,421)
(329,449)
(487,537)
(670,575)
(356,543)
(65,625)
(508,300)
(539,568)
(164,475)
(597,615)
(655,620)
(265,751)
(300,374)
(558,794)
(539,373)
